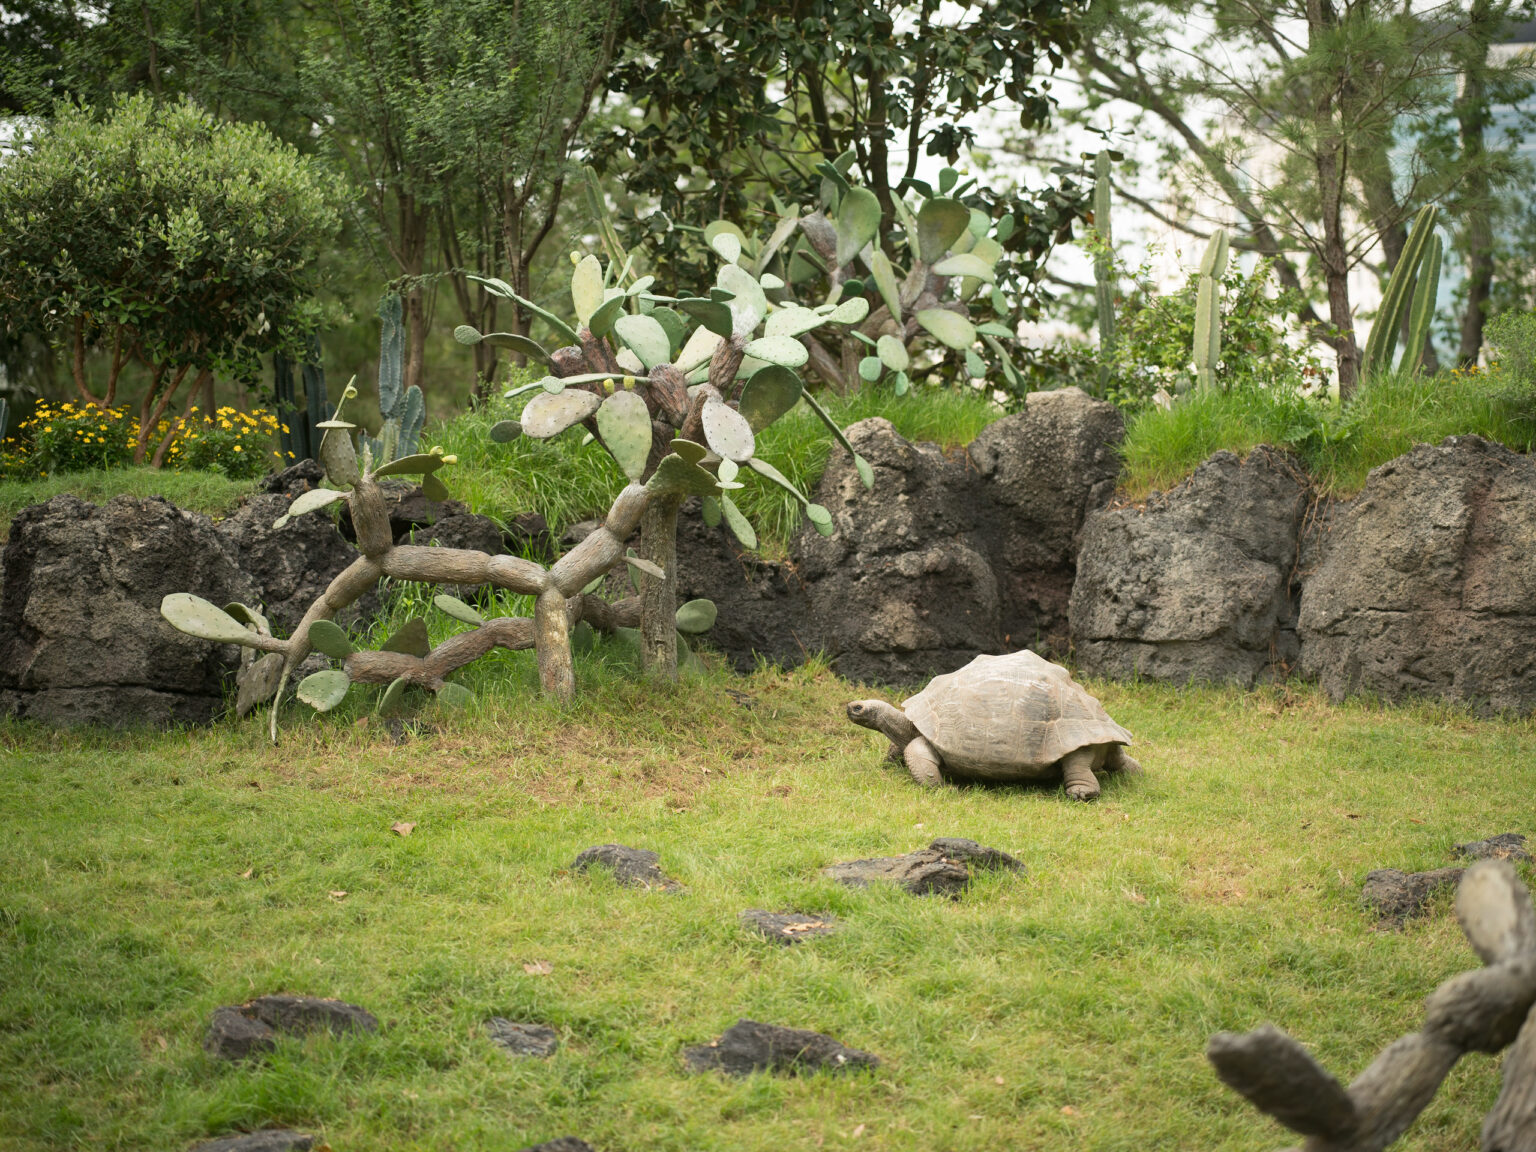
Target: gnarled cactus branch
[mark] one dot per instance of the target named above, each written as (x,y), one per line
(1479,1011)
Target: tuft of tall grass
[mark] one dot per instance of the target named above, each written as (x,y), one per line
(1386,418)
(566,481)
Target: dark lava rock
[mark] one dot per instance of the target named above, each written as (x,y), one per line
(1199,583)
(296,479)
(1426,584)
(476,533)
(232,1035)
(522,1039)
(970,852)
(292,565)
(788,927)
(748,1046)
(922,873)
(301,1014)
(563,1144)
(942,868)
(903,587)
(761,603)
(1397,896)
(1505,846)
(631,867)
(1045,469)
(267,1140)
(530,535)
(81,636)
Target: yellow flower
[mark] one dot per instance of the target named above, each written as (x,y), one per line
(238,448)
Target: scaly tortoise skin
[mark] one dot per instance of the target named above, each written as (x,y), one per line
(1002,718)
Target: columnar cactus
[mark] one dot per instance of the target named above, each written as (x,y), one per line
(1104,266)
(1207,342)
(403,410)
(1422,251)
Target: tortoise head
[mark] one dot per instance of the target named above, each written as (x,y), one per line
(879,716)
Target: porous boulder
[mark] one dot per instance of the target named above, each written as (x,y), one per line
(81,636)
(291,566)
(1043,471)
(630,867)
(1198,583)
(266,1140)
(903,588)
(1426,582)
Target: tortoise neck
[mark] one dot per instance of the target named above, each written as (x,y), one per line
(894,724)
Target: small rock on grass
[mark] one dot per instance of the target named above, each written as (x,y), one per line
(238,1032)
(631,867)
(943,868)
(232,1035)
(788,927)
(522,1039)
(748,1046)
(1397,896)
(267,1140)
(563,1144)
(1505,846)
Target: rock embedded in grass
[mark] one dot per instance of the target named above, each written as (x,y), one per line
(748,1046)
(1505,846)
(267,1140)
(1398,896)
(631,867)
(943,868)
(251,1029)
(562,1144)
(788,927)
(535,1040)
(232,1035)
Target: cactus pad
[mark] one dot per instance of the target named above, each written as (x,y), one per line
(966,264)
(940,222)
(740,526)
(696,616)
(551,414)
(948,328)
(453,606)
(420,464)
(392,698)
(505,431)
(197,617)
(433,488)
(587,288)
(625,425)
(858,220)
(645,566)
(455,696)
(645,337)
(322,691)
(727,431)
(411,639)
(785,351)
(748,304)
(328,637)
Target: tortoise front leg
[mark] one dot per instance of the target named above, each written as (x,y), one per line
(1077,772)
(922,760)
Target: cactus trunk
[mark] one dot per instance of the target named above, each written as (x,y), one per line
(1104,268)
(658,598)
(552,625)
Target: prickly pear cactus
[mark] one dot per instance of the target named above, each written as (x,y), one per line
(403,410)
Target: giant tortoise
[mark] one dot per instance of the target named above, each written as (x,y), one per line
(1002,718)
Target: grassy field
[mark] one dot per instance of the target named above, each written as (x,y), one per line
(146,879)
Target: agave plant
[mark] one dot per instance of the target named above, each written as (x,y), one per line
(677,390)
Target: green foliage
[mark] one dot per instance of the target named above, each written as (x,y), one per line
(736,97)
(239,445)
(1387,417)
(1155,335)
(188,241)
(1512,371)
(69,437)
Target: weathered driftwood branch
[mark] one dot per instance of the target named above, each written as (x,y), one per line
(1480,1011)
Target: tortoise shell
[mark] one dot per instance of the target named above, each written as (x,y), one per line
(1009,716)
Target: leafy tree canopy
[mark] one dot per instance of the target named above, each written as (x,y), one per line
(174,239)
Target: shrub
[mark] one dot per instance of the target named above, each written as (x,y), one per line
(236,444)
(71,437)
(1512,373)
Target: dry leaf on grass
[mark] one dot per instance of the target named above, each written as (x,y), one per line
(248,873)
(339,894)
(859,1131)
(402,828)
(1068,1110)
(1134,896)
(539,968)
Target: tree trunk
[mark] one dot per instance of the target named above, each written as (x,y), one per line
(416,339)
(1332,162)
(557,676)
(1473,195)
(658,598)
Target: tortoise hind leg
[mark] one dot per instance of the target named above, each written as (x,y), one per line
(1116,760)
(1077,772)
(922,760)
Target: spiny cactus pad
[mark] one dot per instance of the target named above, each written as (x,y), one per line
(197,617)
(322,691)
(329,638)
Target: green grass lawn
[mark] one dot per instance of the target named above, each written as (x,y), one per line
(146,879)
